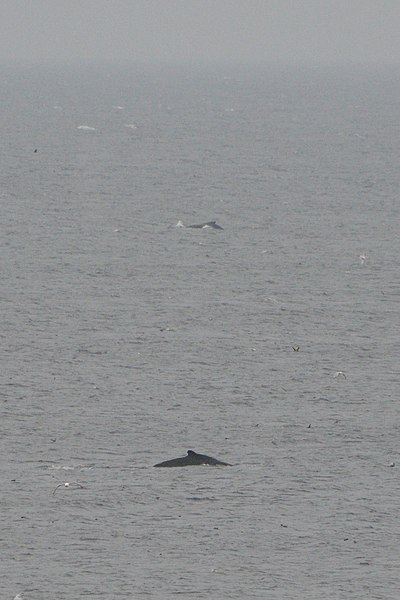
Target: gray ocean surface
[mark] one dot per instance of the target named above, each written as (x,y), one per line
(272,344)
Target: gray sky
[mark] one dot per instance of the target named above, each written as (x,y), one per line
(197,30)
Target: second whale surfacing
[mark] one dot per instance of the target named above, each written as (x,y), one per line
(207,225)
(192,459)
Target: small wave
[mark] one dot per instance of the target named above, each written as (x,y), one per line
(70,467)
(201,499)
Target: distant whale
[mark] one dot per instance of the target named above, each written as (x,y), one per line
(192,459)
(208,225)
(212,224)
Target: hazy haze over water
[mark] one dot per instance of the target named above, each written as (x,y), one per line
(127,340)
(317,31)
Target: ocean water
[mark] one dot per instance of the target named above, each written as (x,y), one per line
(272,344)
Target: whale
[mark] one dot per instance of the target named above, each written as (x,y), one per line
(193,459)
(207,225)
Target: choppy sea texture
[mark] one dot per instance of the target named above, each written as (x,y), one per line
(271,344)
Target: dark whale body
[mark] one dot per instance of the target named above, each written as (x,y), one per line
(192,459)
(212,224)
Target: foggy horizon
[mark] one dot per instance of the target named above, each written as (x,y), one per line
(219,31)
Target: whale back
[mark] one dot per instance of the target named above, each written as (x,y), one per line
(192,459)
